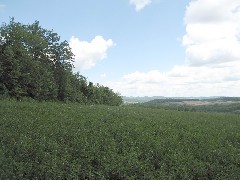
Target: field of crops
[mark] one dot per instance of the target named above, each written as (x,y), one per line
(70,141)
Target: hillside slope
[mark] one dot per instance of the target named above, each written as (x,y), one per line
(68,141)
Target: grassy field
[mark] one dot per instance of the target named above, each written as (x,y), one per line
(70,141)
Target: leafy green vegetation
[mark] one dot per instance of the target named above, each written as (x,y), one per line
(35,63)
(59,126)
(51,140)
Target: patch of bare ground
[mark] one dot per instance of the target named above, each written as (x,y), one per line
(201,103)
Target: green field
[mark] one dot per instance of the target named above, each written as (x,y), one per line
(70,141)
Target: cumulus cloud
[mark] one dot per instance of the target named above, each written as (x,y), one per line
(88,54)
(212,52)
(212,32)
(182,81)
(140,4)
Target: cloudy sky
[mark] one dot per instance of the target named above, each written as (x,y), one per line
(146,47)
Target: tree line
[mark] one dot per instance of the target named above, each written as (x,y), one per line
(35,63)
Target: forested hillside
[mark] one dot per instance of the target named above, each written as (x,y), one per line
(35,63)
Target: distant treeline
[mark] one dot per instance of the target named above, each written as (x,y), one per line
(219,104)
(225,99)
(167,100)
(35,63)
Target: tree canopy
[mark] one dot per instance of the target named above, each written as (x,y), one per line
(35,63)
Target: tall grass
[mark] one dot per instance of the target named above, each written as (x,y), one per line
(70,141)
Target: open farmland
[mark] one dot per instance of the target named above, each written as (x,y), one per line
(221,104)
(70,141)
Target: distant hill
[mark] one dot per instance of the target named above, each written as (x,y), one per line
(214,104)
(153,99)
(131,99)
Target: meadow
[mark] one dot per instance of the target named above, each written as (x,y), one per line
(51,140)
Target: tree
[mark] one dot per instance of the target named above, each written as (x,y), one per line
(35,63)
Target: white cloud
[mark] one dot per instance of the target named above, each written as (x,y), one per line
(88,54)
(212,32)
(140,4)
(182,81)
(212,44)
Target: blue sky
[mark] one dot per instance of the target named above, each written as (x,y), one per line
(146,47)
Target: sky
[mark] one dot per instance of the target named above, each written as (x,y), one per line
(172,48)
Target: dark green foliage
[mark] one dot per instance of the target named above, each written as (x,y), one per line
(68,141)
(35,63)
